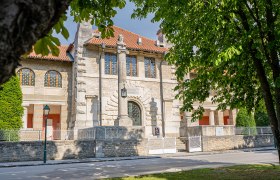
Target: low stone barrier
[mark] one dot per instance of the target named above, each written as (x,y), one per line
(33,150)
(218,143)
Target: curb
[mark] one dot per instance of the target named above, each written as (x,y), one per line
(220,152)
(76,161)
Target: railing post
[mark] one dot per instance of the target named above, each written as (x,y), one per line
(249,131)
(105,136)
(39,135)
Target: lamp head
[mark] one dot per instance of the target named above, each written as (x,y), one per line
(46,110)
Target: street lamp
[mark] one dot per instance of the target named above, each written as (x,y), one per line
(46,110)
(124,91)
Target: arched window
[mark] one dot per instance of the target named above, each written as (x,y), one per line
(53,79)
(134,112)
(26,77)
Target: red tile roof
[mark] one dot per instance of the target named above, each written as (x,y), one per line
(130,39)
(61,57)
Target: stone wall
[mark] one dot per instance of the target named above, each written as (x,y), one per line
(33,150)
(219,143)
(120,148)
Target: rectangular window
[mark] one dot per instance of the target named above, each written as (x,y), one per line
(150,67)
(111,64)
(131,66)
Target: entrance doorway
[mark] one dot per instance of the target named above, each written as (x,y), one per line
(134,112)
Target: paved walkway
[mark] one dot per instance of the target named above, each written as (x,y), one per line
(87,160)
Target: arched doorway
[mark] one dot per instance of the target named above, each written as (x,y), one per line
(134,112)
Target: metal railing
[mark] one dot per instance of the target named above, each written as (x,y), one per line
(35,135)
(161,145)
(252,130)
(100,133)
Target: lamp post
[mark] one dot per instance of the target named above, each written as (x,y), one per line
(46,110)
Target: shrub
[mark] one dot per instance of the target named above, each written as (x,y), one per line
(11,109)
(261,117)
(246,120)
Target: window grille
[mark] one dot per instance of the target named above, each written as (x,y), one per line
(111,64)
(150,68)
(26,77)
(53,79)
(131,66)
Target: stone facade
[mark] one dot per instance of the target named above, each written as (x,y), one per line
(37,95)
(90,97)
(141,90)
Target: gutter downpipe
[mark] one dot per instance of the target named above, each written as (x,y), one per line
(100,85)
(161,99)
(71,57)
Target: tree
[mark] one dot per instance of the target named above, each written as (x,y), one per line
(260,116)
(24,22)
(245,118)
(233,45)
(11,110)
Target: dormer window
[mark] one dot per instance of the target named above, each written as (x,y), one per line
(159,43)
(139,41)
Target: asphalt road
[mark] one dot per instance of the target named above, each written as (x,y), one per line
(98,170)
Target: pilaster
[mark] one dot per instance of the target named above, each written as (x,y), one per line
(123,119)
(38,117)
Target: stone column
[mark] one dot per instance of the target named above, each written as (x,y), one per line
(38,117)
(232,117)
(63,122)
(211,118)
(123,119)
(219,117)
(24,117)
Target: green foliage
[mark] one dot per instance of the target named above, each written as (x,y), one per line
(245,118)
(11,109)
(260,116)
(222,41)
(99,12)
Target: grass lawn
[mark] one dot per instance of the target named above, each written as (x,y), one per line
(258,172)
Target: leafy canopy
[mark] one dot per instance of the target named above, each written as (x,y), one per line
(99,12)
(221,41)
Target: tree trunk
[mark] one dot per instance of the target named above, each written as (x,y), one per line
(22,23)
(268,98)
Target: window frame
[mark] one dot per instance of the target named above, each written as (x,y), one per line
(140,113)
(150,59)
(111,64)
(130,72)
(31,74)
(58,74)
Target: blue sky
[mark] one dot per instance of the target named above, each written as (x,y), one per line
(123,19)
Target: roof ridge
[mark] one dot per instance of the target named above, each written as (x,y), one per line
(134,33)
(128,32)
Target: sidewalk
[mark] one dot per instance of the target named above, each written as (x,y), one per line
(88,160)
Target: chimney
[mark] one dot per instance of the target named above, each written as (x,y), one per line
(139,41)
(97,34)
